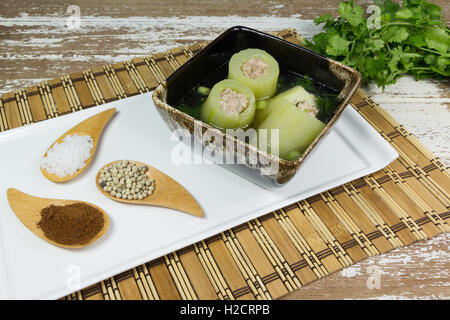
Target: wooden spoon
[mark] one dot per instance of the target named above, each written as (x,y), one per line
(167,193)
(92,127)
(28,209)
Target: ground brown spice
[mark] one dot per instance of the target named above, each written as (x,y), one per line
(72,224)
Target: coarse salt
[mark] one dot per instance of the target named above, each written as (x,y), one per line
(69,156)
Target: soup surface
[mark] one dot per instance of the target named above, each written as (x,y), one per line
(326,97)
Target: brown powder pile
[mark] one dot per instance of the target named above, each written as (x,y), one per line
(72,224)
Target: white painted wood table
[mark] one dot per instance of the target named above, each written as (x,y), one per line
(37,45)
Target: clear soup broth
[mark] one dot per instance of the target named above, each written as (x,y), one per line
(326,97)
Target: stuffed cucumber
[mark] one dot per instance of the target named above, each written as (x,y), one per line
(297,129)
(297,95)
(230,105)
(257,69)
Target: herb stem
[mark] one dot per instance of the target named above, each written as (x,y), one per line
(432,51)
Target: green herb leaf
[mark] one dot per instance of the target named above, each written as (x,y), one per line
(404,14)
(353,14)
(442,66)
(328,19)
(375,45)
(337,46)
(412,38)
(395,34)
(437,38)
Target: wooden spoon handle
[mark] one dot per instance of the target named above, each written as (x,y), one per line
(170,194)
(94,125)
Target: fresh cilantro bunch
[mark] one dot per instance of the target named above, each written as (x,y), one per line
(412,38)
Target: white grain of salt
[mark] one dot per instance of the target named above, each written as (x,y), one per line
(69,156)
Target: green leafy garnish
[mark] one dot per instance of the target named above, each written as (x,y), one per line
(326,102)
(191,111)
(411,38)
(307,83)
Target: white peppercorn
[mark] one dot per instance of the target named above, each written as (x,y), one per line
(126,180)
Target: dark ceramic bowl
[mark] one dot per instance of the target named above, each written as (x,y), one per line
(254,164)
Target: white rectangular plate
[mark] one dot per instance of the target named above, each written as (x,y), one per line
(33,268)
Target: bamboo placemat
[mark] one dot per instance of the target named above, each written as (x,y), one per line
(284,250)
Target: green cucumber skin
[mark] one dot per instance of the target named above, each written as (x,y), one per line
(297,128)
(295,94)
(261,104)
(213,114)
(264,86)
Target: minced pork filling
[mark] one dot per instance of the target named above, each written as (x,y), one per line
(311,109)
(254,68)
(233,102)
